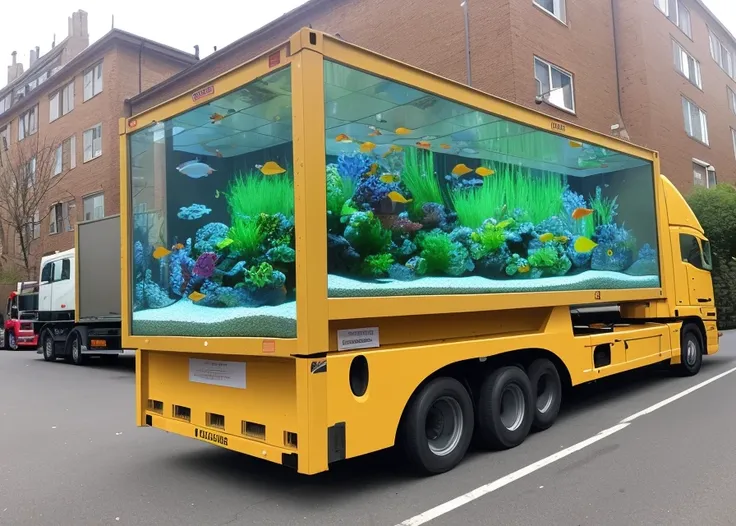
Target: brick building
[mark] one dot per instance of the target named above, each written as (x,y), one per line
(609,65)
(72,97)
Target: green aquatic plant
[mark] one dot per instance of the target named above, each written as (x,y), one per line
(366,234)
(443,255)
(604,208)
(420,179)
(247,236)
(511,188)
(257,277)
(377,266)
(253,194)
(339,191)
(550,261)
(489,238)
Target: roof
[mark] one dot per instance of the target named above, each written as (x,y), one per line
(720,24)
(111,36)
(286,18)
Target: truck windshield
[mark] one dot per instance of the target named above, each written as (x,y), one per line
(707,259)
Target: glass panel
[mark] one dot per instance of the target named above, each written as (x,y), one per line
(690,250)
(213,215)
(427,196)
(707,257)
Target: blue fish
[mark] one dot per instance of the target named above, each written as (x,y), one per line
(195,169)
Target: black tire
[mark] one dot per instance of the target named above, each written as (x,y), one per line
(498,427)
(547,389)
(12,342)
(425,416)
(691,350)
(75,350)
(5,339)
(47,346)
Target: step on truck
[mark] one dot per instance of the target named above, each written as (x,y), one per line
(327,253)
(79,296)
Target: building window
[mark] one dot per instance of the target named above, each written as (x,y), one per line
(556,8)
(28,123)
(696,121)
(720,54)
(5,103)
(62,102)
(731,99)
(663,5)
(31,172)
(687,65)
(93,81)
(31,230)
(59,218)
(554,85)
(58,158)
(733,140)
(93,143)
(683,19)
(703,174)
(69,152)
(94,207)
(5,137)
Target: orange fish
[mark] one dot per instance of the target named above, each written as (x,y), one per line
(373,170)
(216,117)
(161,252)
(580,213)
(484,172)
(461,169)
(445,146)
(393,149)
(375,133)
(524,269)
(272,168)
(423,144)
(367,147)
(178,246)
(396,197)
(403,131)
(218,153)
(390,178)
(343,138)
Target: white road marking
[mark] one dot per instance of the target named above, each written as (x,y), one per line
(481,491)
(679,395)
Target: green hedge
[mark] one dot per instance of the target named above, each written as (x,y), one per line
(716,211)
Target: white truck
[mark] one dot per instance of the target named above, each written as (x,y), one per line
(79,296)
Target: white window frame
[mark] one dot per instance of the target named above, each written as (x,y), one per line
(5,137)
(559,10)
(548,97)
(97,207)
(683,65)
(733,139)
(731,94)
(663,5)
(688,116)
(679,9)
(6,102)
(720,53)
(58,160)
(92,138)
(31,172)
(28,123)
(92,81)
(708,169)
(61,102)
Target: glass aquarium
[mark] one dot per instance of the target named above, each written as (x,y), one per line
(427,196)
(213,217)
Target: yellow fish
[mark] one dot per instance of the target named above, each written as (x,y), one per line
(524,269)
(373,170)
(584,245)
(546,237)
(460,170)
(272,168)
(396,197)
(575,144)
(178,246)
(225,243)
(403,131)
(561,239)
(505,224)
(484,172)
(216,117)
(343,138)
(393,149)
(367,147)
(161,252)
(196,296)
(390,178)
(424,144)
(445,146)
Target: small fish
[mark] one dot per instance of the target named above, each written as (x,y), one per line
(504,224)
(343,138)
(544,238)
(196,296)
(373,170)
(272,168)
(460,170)
(423,144)
(195,169)
(580,213)
(225,243)
(217,194)
(393,149)
(178,246)
(524,269)
(484,172)
(161,252)
(216,117)
(575,144)
(469,151)
(396,197)
(445,146)
(390,178)
(402,131)
(367,147)
(584,245)
(218,153)
(375,132)
(561,239)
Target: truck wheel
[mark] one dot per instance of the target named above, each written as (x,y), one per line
(75,350)
(49,354)
(691,350)
(438,426)
(547,390)
(505,408)
(12,342)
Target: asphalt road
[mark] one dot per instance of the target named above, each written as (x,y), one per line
(71,455)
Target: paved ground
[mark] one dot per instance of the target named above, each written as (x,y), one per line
(70,455)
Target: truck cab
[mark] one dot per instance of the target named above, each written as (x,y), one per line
(20,313)
(56,287)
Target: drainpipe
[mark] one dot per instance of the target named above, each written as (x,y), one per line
(464,5)
(615,58)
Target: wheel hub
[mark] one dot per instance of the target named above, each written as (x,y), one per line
(691,353)
(512,407)
(444,425)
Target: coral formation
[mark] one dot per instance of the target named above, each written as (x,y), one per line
(194,211)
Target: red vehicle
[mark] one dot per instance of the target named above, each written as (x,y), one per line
(21,311)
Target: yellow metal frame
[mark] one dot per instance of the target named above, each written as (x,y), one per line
(305,53)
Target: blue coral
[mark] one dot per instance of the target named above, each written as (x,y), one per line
(353,166)
(517,265)
(139,257)
(194,211)
(208,237)
(520,232)
(580,260)
(371,191)
(612,257)
(281,254)
(647,252)
(434,216)
(178,262)
(415,268)
(462,235)
(149,294)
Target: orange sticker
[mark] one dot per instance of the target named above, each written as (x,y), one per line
(268,346)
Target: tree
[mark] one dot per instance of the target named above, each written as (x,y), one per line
(30,172)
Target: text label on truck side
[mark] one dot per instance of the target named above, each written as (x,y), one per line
(209,436)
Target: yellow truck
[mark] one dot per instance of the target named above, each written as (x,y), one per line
(327,253)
